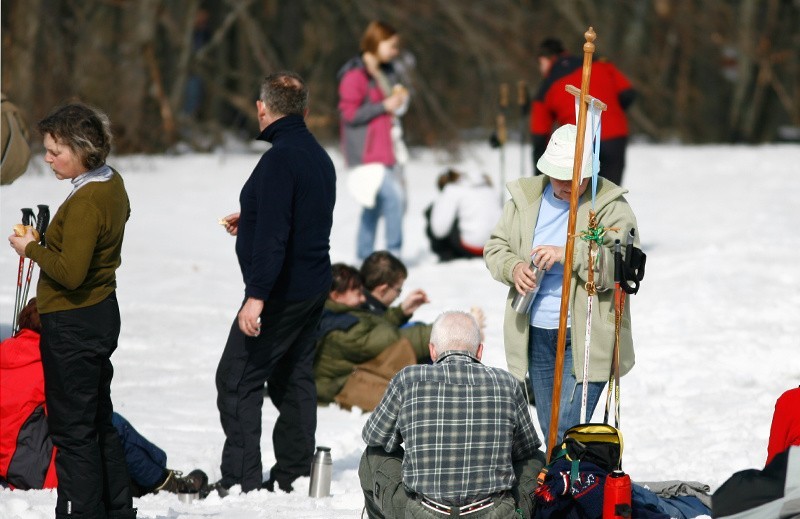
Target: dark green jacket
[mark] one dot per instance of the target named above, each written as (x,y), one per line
(350,336)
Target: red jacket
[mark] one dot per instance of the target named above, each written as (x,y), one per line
(785,430)
(553,105)
(26,453)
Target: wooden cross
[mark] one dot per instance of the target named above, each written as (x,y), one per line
(589,99)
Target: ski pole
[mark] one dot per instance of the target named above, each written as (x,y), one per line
(27,218)
(42,221)
(587,342)
(619,306)
(633,269)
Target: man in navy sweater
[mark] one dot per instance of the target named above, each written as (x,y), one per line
(282,243)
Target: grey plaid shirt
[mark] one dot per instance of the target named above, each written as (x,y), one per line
(463,424)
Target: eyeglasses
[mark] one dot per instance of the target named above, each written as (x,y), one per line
(397,289)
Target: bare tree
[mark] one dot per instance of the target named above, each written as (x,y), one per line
(707,71)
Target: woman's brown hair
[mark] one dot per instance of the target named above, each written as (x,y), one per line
(375,33)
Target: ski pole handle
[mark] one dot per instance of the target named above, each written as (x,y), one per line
(633,271)
(42,221)
(523,98)
(27,216)
(503,101)
(617,262)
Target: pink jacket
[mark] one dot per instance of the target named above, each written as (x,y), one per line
(365,125)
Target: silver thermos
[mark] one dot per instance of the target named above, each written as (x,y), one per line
(321,472)
(522,303)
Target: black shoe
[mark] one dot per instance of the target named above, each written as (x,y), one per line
(195,481)
(269,484)
(217,487)
(176,483)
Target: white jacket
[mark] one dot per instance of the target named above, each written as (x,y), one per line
(475,205)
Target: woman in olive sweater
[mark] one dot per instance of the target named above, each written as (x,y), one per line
(80,315)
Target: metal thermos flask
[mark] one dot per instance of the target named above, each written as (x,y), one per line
(321,472)
(522,303)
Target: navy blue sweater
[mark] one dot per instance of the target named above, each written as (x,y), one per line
(286,216)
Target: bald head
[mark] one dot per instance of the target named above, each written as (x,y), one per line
(457,331)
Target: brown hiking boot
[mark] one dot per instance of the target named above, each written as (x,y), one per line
(176,483)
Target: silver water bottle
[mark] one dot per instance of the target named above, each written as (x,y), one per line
(321,473)
(522,303)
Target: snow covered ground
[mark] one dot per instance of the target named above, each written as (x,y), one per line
(716,323)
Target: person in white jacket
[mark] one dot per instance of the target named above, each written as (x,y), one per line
(462,217)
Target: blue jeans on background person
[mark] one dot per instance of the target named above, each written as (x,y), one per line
(146,462)
(389,203)
(542,344)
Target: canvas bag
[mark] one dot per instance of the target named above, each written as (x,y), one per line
(16,150)
(599,443)
(368,382)
(364,182)
(571,485)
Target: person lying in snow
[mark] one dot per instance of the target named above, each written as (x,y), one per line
(26,453)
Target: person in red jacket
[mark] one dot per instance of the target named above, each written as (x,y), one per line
(553,106)
(27,454)
(785,429)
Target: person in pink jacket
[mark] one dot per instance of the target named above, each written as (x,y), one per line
(371,102)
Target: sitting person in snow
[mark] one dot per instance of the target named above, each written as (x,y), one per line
(461,218)
(775,490)
(785,429)
(27,455)
(383,275)
(350,335)
(451,439)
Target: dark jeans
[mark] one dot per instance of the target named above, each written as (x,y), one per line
(146,462)
(282,356)
(76,350)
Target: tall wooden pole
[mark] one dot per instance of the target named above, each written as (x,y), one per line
(588,50)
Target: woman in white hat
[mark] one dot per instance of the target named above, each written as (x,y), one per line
(534,225)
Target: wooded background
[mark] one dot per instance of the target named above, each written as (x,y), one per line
(706,70)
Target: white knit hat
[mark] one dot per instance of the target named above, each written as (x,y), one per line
(557,160)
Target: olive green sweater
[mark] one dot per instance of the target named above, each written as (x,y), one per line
(84,245)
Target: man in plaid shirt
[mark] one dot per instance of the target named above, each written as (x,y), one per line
(470,446)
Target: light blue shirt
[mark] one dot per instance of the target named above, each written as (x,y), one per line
(551,229)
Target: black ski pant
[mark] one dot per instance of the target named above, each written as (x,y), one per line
(76,348)
(283,357)
(612,159)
